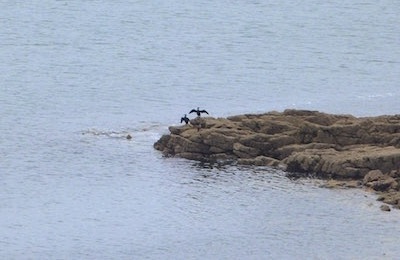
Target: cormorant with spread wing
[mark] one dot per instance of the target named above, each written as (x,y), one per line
(198,111)
(185,119)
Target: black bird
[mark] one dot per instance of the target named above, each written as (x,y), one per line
(198,111)
(185,119)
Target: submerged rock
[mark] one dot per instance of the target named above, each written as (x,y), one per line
(339,147)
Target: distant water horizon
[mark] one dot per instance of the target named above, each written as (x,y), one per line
(78,77)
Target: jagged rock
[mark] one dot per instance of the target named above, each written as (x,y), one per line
(391,197)
(339,147)
(220,140)
(260,161)
(258,141)
(184,145)
(395,173)
(341,184)
(373,175)
(331,142)
(350,162)
(176,130)
(242,151)
(384,184)
(378,181)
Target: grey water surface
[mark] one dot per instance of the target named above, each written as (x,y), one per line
(78,76)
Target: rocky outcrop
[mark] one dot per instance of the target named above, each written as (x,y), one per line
(338,147)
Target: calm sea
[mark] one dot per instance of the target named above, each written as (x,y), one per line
(78,76)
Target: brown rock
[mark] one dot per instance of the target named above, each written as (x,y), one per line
(260,161)
(176,130)
(344,148)
(221,139)
(378,181)
(331,146)
(342,184)
(391,197)
(259,141)
(384,184)
(373,175)
(184,145)
(243,151)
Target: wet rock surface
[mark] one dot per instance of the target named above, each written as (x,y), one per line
(343,148)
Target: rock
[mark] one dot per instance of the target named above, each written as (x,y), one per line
(341,184)
(390,197)
(242,151)
(339,147)
(220,140)
(260,161)
(350,162)
(259,141)
(163,144)
(176,130)
(373,175)
(383,185)
(394,173)
(376,180)
(199,123)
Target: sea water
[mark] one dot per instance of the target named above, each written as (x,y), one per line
(78,76)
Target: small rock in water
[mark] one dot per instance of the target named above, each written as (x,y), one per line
(385,208)
(129,137)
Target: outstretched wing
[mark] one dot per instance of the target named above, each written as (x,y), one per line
(182,119)
(203,111)
(193,110)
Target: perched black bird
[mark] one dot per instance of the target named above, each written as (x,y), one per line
(185,119)
(198,111)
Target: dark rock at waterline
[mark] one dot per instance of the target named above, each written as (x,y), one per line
(378,181)
(339,147)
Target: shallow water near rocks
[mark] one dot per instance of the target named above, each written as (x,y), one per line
(78,77)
